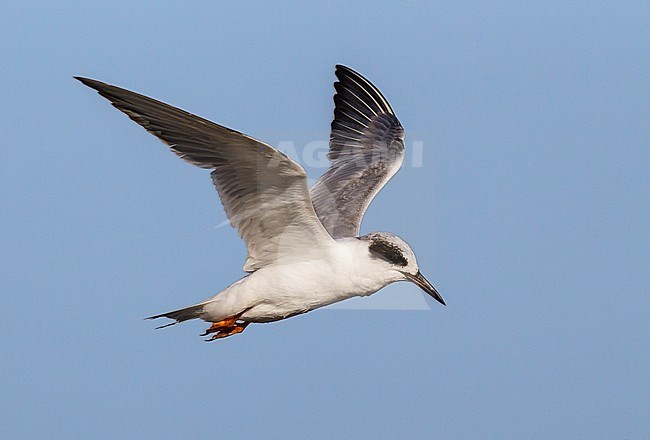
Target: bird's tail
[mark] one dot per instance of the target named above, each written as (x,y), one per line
(180,315)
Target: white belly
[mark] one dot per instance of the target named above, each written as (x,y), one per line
(279,291)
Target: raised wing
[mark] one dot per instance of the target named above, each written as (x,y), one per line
(366,150)
(264,192)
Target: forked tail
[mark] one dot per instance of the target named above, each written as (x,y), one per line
(180,315)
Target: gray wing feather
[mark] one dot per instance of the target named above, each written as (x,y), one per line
(366,150)
(264,192)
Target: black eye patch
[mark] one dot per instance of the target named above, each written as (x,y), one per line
(388,252)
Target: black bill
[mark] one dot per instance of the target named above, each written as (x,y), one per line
(425,285)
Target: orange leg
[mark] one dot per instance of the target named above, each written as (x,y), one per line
(224,324)
(237,328)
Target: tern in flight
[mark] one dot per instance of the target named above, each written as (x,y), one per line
(304,248)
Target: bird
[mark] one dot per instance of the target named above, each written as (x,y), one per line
(304,245)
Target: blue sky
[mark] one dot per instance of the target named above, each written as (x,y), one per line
(529,213)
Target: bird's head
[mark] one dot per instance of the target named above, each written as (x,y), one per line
(400,259)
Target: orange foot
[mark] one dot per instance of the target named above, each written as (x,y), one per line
(225,332)
(225,327)
(224,324)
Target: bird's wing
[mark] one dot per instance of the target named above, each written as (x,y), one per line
(366,150)
(264,192)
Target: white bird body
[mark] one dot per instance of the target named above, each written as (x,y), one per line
(345,269)
(304,248)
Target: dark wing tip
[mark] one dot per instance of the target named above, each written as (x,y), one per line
(360,112)
(341,67)
(353,86)
(92,83)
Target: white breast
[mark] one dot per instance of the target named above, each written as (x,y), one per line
(278,291)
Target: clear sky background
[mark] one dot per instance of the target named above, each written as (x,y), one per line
(529,212)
